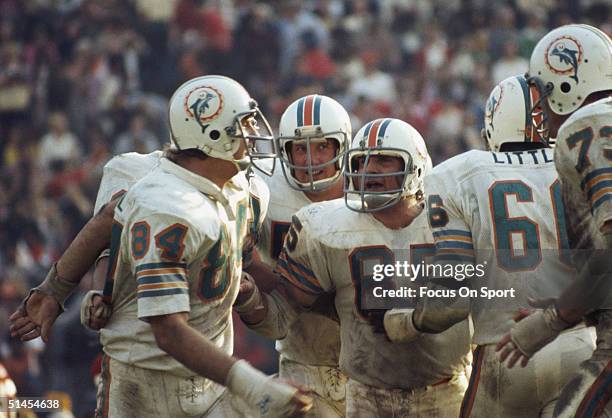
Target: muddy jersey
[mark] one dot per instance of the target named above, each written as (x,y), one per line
(331,249)
(314,338)
(583,157)
(121,172)
(176,247)
(503,211)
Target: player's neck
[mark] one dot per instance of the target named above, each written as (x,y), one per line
(332,192)
(214,169)
(400,215)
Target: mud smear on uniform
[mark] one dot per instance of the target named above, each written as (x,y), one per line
(129,396)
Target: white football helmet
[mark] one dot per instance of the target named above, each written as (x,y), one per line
(568,64)
(310,119)
(213,114)
(509,111)
(392,137)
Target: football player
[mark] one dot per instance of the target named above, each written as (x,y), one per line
(331,248)
(174,268)
(502,210)
(572,66)
(314,133)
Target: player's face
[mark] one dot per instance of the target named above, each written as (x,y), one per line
(381,164)
(321,152)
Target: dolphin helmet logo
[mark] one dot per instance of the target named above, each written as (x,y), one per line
(564,56)
(204,104)
(493,104)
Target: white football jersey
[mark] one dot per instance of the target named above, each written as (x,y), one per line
(176,247)
(121,172)
(332,249)
(124,170)
(314,338)
(502,210)
(583,156)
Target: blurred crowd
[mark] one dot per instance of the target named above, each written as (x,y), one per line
(82,80)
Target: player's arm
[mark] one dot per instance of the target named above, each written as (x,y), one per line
(160,249)
(592,286)
(271,314)
(264,275)
(174,336)
(453,241)
(45,302)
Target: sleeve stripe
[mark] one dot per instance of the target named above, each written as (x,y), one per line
(155,286)
(598,185)
(454,244)
(601,200)
(161,272)
(297,279)
(586,182)
(300,266)
(165,278)
(605,189)
(459,232)
(454,238)
(164,292)
(163,265)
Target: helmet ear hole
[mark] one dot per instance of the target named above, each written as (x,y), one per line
(214,134)
(565,87)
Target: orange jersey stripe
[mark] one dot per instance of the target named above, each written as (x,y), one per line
(454,238)
(601,192)
(160,272)
(597,179)
(155,286)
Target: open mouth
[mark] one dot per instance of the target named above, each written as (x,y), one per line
(375,185)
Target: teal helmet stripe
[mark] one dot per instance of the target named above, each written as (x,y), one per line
(367,130)
(317,110)
(300,112)
(383,128)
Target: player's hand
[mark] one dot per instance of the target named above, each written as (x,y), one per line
(270,396)
(505,346)
(95,312)
(508,350)
(302,400)
(534,329)
(247,287)
(35,317)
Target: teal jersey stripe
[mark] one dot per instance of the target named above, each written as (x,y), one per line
(454,244)
(314,288)
(161,265)
(452,232)
(593,174)
(598,186)
(165,278)
(162,292)
(600,201)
